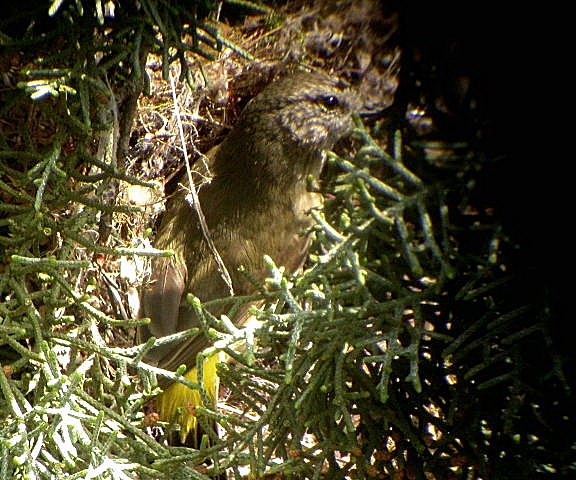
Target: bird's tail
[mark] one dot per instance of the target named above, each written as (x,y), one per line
(178,402)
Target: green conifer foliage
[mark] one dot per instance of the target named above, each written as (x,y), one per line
(411,346)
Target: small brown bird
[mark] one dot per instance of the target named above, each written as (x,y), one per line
(256,204)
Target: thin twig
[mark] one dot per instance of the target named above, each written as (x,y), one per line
(195,200)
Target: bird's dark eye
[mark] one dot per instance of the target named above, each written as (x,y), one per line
(329,102)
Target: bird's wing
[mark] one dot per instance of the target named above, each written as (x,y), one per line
(161,303)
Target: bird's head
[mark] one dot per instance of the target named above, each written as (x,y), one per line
(311,110)
(283,132)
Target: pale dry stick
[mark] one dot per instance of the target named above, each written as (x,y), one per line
(195,200)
